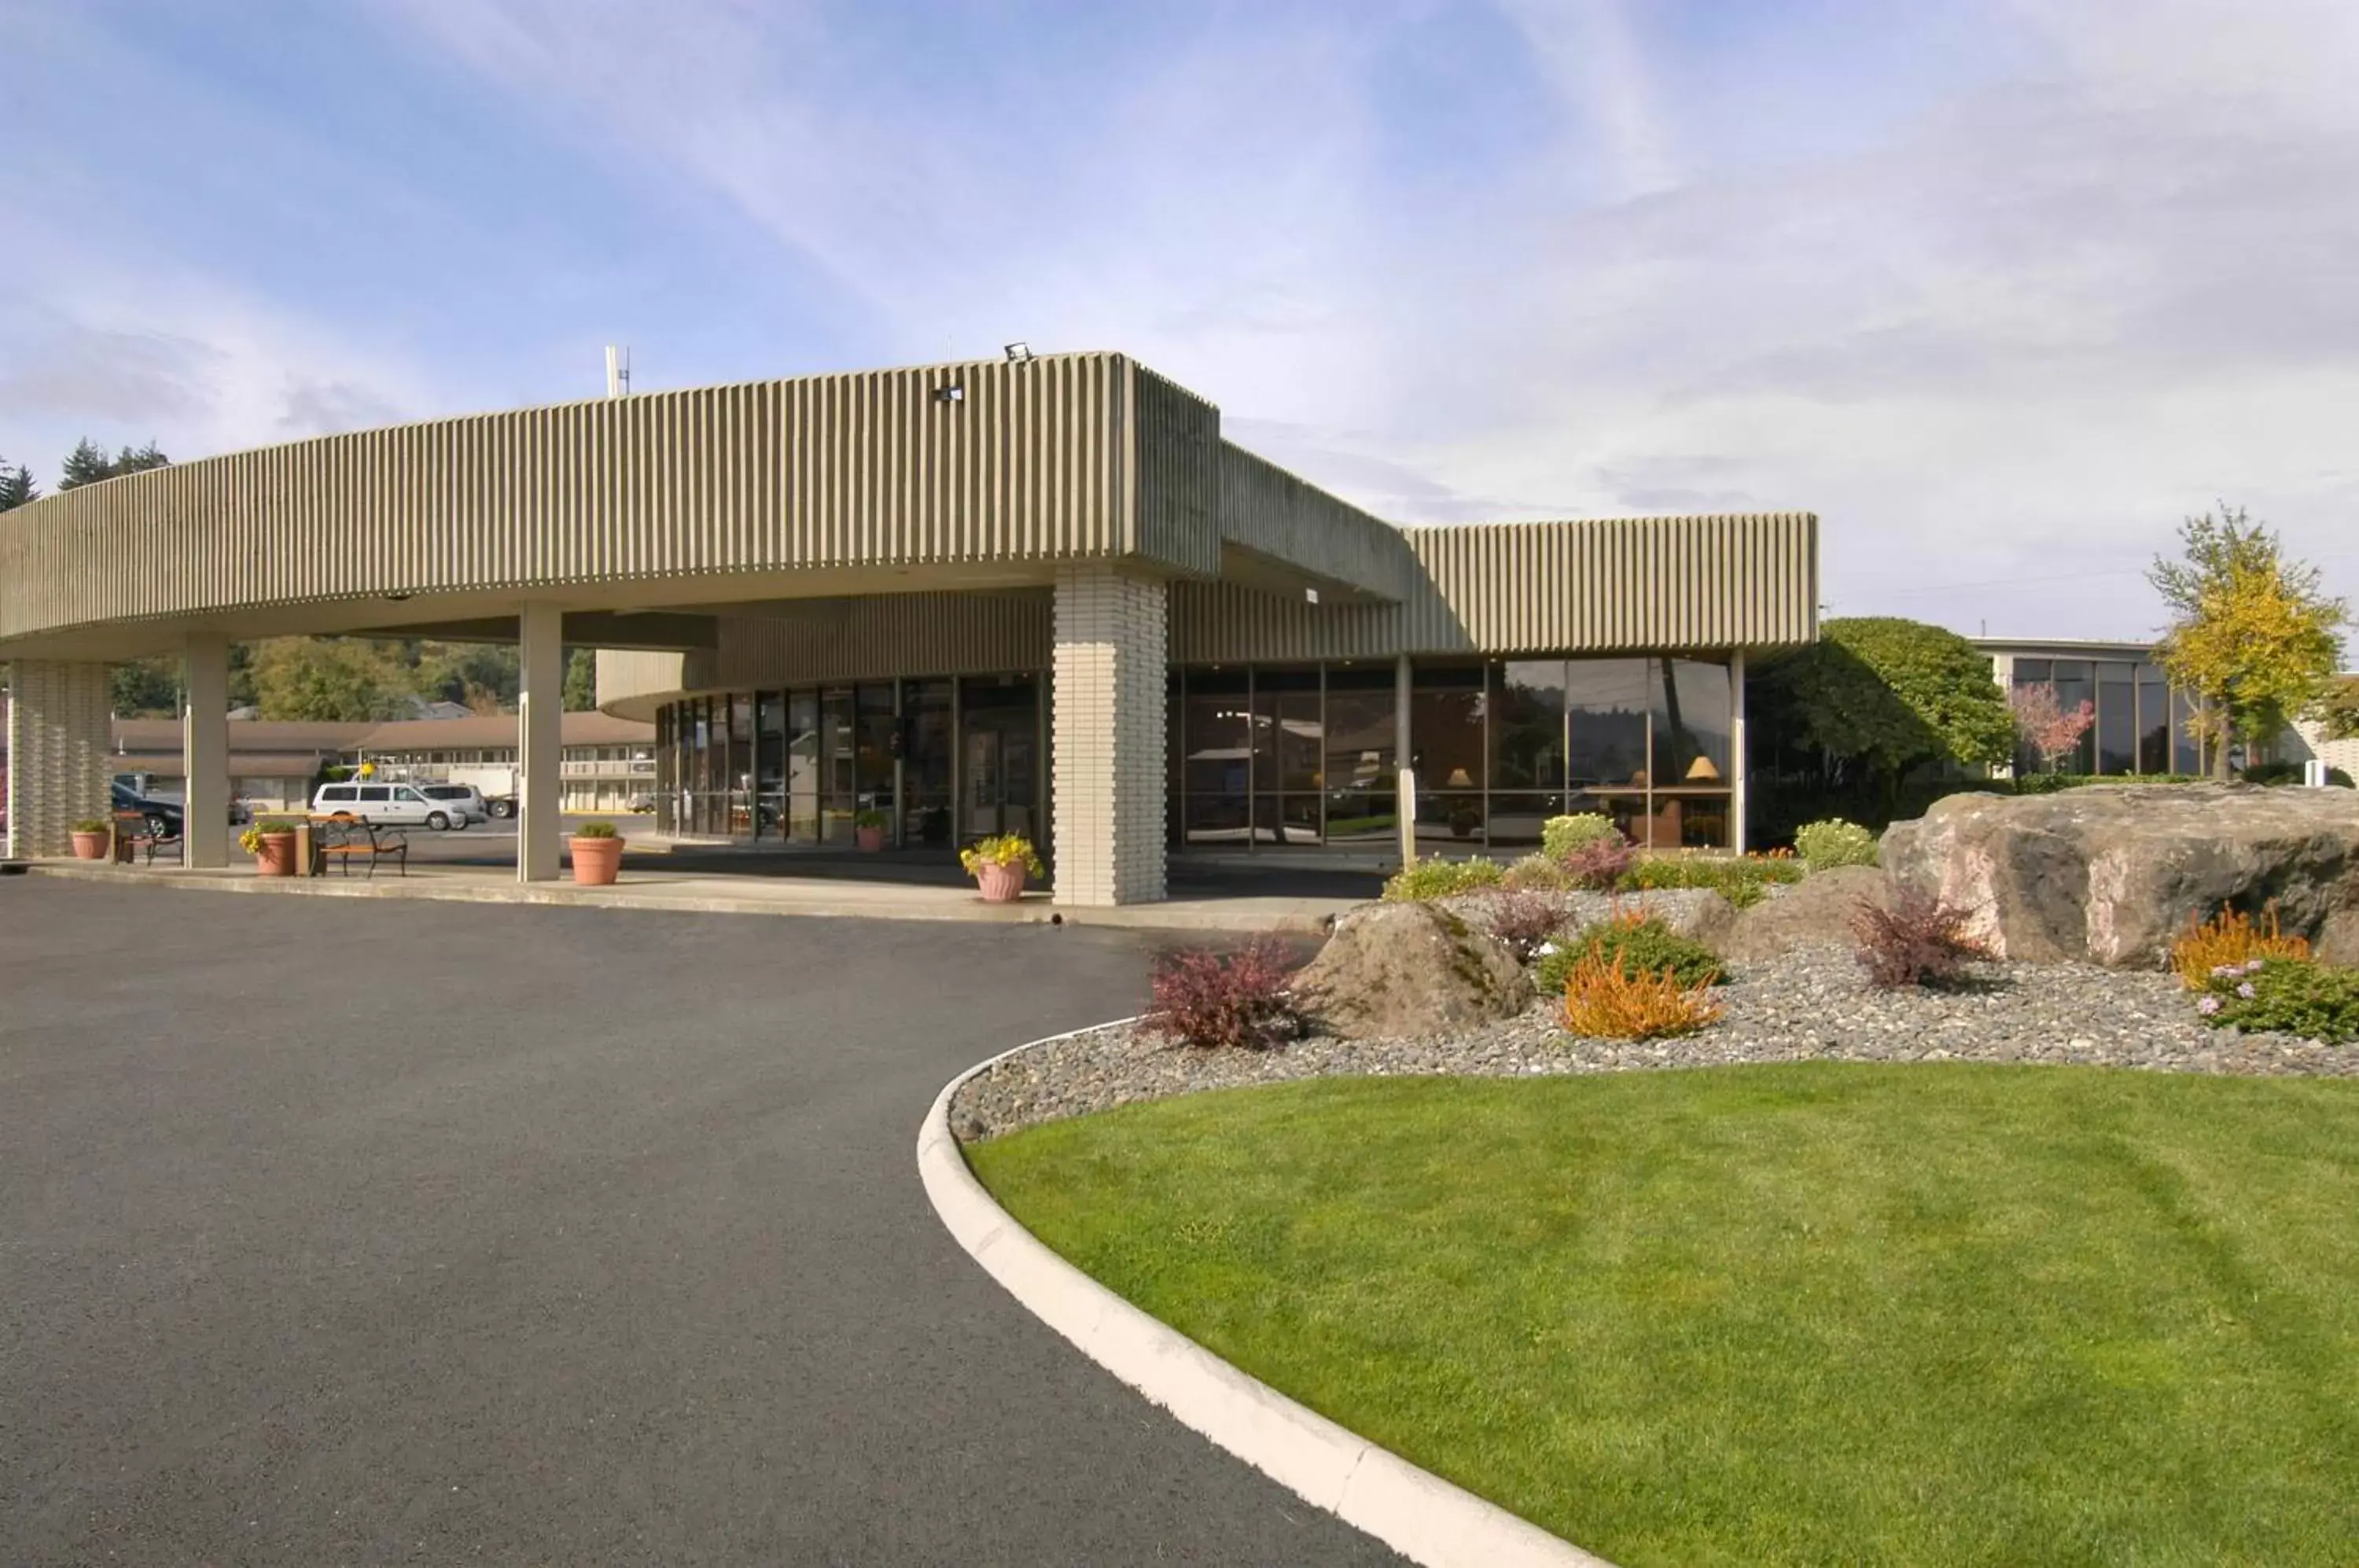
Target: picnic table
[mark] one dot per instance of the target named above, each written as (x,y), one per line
(343,838)
(135,831)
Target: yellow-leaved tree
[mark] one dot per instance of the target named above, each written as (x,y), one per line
(2252,635)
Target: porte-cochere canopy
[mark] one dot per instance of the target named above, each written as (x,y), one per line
(1078,516)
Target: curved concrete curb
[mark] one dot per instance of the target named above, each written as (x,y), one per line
(1417,1514)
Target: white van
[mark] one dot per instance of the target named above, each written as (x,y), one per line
(388,805)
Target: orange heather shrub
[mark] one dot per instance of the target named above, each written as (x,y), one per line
(1603,1001)
(2231,937)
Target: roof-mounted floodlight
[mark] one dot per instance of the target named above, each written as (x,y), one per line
(951,393)
(1020,353)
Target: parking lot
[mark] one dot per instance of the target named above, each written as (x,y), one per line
(364,1231)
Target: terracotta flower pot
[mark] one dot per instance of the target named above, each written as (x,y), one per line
(91,845)
(1001,884)
(870,839)
(276,855)
(596,860)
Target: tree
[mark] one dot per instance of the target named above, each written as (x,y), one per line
(17,486)
(580,680)
(2046,726)
(2252,635)
(147,688)
(329,679)
(88,464)
(1887,695)
(2337,710)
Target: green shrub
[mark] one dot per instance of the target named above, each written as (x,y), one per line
(1742,883)
(91,824)
(2050,783)
(1440,878)
(2289,773)
(2287,995)
(1559,836)
(1834,841)
(595,830)
(1639,944)
(1537,874)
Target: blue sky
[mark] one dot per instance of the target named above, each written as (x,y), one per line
(2002,289)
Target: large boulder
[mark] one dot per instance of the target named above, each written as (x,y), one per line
(2115,873)
(1410,969)
(1815,911)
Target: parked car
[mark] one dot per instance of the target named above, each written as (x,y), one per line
(164,816)
(467,802)
(388,805)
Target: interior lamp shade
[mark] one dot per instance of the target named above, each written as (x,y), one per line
(1702,771)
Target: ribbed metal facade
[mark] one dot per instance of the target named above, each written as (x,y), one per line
(1665,583)
(899,634)
(1033,463)
(1265,508)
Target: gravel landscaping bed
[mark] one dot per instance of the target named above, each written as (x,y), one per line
(1810,1004)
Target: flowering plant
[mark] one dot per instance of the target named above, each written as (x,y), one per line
(1002,849)
(2287,996)
(261,828)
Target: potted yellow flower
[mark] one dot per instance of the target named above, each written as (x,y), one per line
(998,864)
(272,844)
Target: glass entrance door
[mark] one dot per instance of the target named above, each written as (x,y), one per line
(1000,784)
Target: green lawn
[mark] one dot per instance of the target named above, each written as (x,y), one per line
(1815,1314)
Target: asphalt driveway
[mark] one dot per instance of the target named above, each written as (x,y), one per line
(377,1230)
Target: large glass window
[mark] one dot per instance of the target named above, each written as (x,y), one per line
(770,765)
(2117,718)
(925,762)
(1691,703)
(802,767)
(1448,746)
(2154,721)
(1289,748)
(1528,767)
(838,786)
(1361,768)
(1218,768)
(1605,740)
(740,780)
(666,769)
(2076,683)
(872,704)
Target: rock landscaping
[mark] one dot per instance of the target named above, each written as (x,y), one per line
(2016,929)
(1810,1004)
(2114,875)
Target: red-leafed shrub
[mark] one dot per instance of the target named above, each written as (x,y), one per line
(1601,865)
(1240,998)
(1914,939)
(1523,919)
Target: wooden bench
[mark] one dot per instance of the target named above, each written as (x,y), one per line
(341,841)
(135,832)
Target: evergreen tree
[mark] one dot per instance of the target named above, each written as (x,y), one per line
(17,486)
(86,465)
(580,680)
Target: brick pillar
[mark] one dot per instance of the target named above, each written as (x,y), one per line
(60,752)
(1106,740)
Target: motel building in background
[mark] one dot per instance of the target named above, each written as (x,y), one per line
(1043,596)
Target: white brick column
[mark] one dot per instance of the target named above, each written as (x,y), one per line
(204,751)
(1106,739)
(540,743)
(60,752)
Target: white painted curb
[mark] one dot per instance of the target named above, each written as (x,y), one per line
(1417,1514)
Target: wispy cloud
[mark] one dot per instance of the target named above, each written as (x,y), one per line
(2002,289)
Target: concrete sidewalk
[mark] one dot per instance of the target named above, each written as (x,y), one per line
(651,885)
